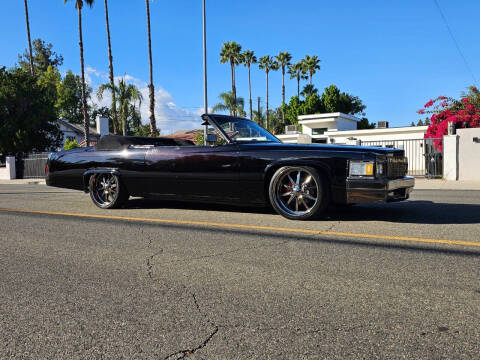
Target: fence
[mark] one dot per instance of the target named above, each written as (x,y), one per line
(30,166)
(423,158)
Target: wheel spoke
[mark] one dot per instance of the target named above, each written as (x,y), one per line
(296,204)
(310,197)
(292,196)
(291,180)
(287,193)
(298,178)
(304,203)
(307,180)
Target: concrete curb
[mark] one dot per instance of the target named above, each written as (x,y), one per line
(439,184)
(23,182)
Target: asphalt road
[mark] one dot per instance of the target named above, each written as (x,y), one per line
(168,280)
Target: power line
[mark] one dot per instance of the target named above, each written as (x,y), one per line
(455,41)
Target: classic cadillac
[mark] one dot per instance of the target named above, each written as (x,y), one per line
(243,164)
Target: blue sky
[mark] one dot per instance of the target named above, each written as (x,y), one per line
(394,55)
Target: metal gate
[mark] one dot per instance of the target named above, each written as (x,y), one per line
(31,166)
(423,158)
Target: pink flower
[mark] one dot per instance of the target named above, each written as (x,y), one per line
(421,111)
(428,104)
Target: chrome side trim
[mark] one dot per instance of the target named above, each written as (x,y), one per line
(405,182)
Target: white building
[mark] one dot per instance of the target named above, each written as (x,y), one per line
(72,131)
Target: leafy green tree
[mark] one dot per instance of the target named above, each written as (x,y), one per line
(110,68)
(268,64)
(365,124)
(249,58)
(336,101)
(420,122)
(231,53)
(297,72)
(412,124)
(153,123)
(311,65)
(50,80)
(259,116)
(228,104)
(43,57)
(69,98)
(27,114)
(79,6)
(70,144)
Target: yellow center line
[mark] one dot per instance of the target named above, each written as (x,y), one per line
(247,227)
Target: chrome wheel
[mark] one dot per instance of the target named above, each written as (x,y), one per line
(297,192)
(104,189)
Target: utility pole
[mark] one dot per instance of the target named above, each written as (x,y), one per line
(205,100)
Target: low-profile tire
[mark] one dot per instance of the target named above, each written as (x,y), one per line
(298,192)
(107,191)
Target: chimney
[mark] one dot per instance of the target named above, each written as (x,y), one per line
(102,126)
(382,125)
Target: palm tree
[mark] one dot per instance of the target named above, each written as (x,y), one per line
(309,90)
(231,53)
(297,71)
(283,60)
(249,58)
(259,116)
(267,63)
(153,124)
(79,6)
(112,83)
(311,65)
(227,104)
(28,36)
(128,95)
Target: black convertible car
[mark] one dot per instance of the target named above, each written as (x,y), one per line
(243,164)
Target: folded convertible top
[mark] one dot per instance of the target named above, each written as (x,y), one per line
(116,142)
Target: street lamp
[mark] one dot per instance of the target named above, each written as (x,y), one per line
(205,100)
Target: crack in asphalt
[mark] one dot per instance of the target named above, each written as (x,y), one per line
(182,354)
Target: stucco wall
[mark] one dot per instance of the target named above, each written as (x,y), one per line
(468,154)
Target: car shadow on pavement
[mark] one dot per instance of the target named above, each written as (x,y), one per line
(414,212)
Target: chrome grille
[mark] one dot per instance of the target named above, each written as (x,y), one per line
(397,167)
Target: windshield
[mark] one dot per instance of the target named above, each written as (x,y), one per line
(243,130)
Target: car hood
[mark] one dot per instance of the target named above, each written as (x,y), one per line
(325,147)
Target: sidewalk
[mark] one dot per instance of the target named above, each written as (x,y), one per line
(439,184)
(22,181)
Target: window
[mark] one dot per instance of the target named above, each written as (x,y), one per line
(319,131)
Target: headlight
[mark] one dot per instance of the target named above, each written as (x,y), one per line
(361,168)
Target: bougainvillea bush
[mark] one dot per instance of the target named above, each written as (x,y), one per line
(463,113)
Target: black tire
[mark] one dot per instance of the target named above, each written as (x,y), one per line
(304,197)
(107,191)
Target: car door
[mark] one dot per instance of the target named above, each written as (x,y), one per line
(198,172)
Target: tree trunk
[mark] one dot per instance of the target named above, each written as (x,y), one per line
(86,125)
(250,93)
(234,91)
(298,86)
(112,82)
(153,125)
(266,117)
(310,77)
(283,93)
(29,40)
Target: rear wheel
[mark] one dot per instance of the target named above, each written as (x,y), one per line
(298,192)
(107,191)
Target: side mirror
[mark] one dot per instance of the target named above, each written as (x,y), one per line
(211,139)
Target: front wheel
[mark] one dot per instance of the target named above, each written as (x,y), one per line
(298,192)
(107,191)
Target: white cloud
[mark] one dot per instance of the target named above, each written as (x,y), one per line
(169,116)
